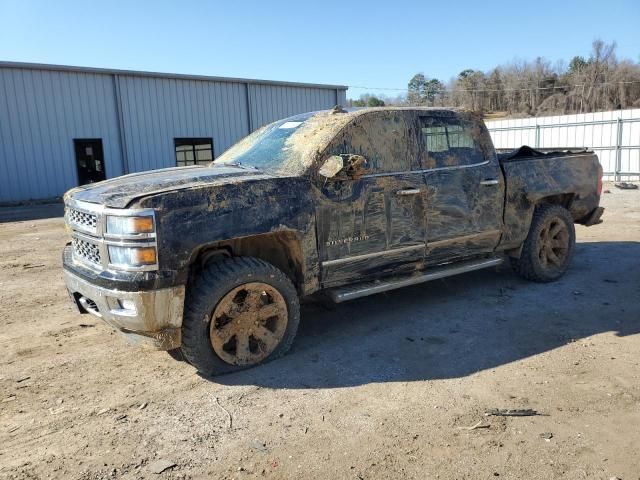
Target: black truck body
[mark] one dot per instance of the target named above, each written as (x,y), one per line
(337,201)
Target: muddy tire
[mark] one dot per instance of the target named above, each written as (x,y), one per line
(548,248)
(239,312)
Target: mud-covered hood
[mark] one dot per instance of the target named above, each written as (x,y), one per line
(122,191)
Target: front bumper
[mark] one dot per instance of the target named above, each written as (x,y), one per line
(150,318)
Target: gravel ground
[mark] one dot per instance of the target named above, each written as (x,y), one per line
(382,387)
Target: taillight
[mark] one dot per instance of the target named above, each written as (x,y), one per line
(599,179)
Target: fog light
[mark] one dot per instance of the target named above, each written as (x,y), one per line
(127,305)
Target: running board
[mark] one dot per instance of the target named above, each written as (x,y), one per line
(351,292)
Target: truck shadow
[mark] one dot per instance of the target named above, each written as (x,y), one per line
(459,326)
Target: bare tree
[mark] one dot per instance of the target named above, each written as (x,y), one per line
(597,82)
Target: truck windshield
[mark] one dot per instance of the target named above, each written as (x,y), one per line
(266,148)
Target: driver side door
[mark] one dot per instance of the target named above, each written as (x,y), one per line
(374,225)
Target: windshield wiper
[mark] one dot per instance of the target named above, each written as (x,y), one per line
(240,165)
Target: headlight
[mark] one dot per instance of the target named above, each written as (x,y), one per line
(130,240)
(117,225)
(132,256)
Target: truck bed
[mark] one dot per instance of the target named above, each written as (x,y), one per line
(568,176)
(525,153)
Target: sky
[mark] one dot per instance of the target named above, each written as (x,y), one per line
(355,43)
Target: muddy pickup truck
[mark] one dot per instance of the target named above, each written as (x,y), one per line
(212,261)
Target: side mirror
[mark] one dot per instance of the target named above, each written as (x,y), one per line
(342,167)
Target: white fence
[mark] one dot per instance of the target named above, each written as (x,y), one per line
(614,136)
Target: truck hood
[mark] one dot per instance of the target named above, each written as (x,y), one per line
(120,192)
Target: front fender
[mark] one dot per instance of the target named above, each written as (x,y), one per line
(188,220)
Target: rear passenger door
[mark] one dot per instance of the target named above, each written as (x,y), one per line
(374,225)
(465,189)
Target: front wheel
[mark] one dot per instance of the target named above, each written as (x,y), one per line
(239,312)
(548,248)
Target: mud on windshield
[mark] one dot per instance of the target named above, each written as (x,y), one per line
(268,148)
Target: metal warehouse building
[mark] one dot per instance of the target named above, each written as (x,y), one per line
(64,126)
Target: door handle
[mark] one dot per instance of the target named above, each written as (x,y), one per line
(490,181)
(410,191)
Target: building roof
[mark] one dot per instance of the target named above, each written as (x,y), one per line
(177,76)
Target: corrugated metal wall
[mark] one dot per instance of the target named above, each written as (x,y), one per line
(137,117)
(614,136)
(157,110)
(270,103)
(41,112)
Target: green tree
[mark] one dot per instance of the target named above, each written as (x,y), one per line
(367,100)
(423,91)
(416,88)
(471,84)
(433,88)
(373,101)
(577,64)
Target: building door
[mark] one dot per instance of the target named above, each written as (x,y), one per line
(89,160)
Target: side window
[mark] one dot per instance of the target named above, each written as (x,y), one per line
(447,142)
(383,138)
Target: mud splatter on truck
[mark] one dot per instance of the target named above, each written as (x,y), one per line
(213,260)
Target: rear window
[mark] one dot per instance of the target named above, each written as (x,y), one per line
(447,142)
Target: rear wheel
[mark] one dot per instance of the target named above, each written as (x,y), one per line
(239,312)
(548,248)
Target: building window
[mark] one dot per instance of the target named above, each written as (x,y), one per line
(193,151)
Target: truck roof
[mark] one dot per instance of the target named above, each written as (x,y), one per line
(312,133)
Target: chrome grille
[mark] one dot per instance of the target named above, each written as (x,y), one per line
(82,219)
(85,222)
(87,251)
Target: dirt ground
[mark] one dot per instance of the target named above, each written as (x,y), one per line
(383,387)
